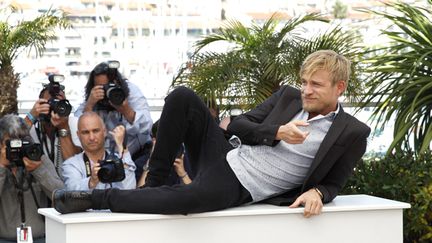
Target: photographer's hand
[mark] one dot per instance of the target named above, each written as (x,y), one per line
(97,93)
(31,165)
(41,106)
(118,134)
(126,110)
(68,148)
(94,179)
(60,122)
(3,161)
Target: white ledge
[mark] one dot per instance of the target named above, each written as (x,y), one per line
(351,218)
(339,204)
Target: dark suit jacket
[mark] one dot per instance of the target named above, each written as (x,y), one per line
(342,147)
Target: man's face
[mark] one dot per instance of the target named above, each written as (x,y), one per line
(101,79)
(319,94)
(91,133)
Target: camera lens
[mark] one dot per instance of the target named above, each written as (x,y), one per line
(60,107)
(63,108)
(106,173)
(116,95)
(111,170)
(33,151)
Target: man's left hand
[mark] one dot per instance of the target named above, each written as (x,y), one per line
(31,165)
(311,201)
(60,122)
(126,110)
(118,133)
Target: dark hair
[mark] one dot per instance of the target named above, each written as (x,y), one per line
(103,68)
(45,88)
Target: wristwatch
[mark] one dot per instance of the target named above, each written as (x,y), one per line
(63,133)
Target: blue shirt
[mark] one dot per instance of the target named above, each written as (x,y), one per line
(75,174)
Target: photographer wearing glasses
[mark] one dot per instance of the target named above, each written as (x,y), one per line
(51,125)
(119,102)
(27,177)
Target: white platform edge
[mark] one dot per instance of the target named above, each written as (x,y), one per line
(339,204)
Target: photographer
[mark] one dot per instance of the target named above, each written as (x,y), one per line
(119,101)
(27,180)
(51,125)
(96,167)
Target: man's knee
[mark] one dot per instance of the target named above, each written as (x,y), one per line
(181,93)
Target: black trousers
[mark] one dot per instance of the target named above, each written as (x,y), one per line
(184,119)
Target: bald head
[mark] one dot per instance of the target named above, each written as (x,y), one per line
(90,116)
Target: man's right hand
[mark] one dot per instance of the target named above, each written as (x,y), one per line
(41,106)
(94,179)
(97,93)
(291,132)
(31,165)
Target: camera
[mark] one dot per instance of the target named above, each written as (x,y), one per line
(16,149)
(114,94)
(54,86)
(111,169)
(60,107)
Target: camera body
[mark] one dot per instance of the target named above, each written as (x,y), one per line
(114,93)
(111,169)
(60,107)
(17,149)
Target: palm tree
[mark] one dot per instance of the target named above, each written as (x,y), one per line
(260,59)
(401,77)
(26,35)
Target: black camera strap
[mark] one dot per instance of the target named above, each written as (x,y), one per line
(43,140)
(87,163)
(19,185)
(20,194)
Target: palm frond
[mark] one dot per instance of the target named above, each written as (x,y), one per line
(261,58)
(400,77)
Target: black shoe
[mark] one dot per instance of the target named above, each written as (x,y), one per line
(71,201)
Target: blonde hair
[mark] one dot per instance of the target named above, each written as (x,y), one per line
(338,65)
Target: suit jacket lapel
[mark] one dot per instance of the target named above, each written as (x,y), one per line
(335,130)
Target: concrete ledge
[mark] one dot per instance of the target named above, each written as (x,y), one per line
(353,218)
